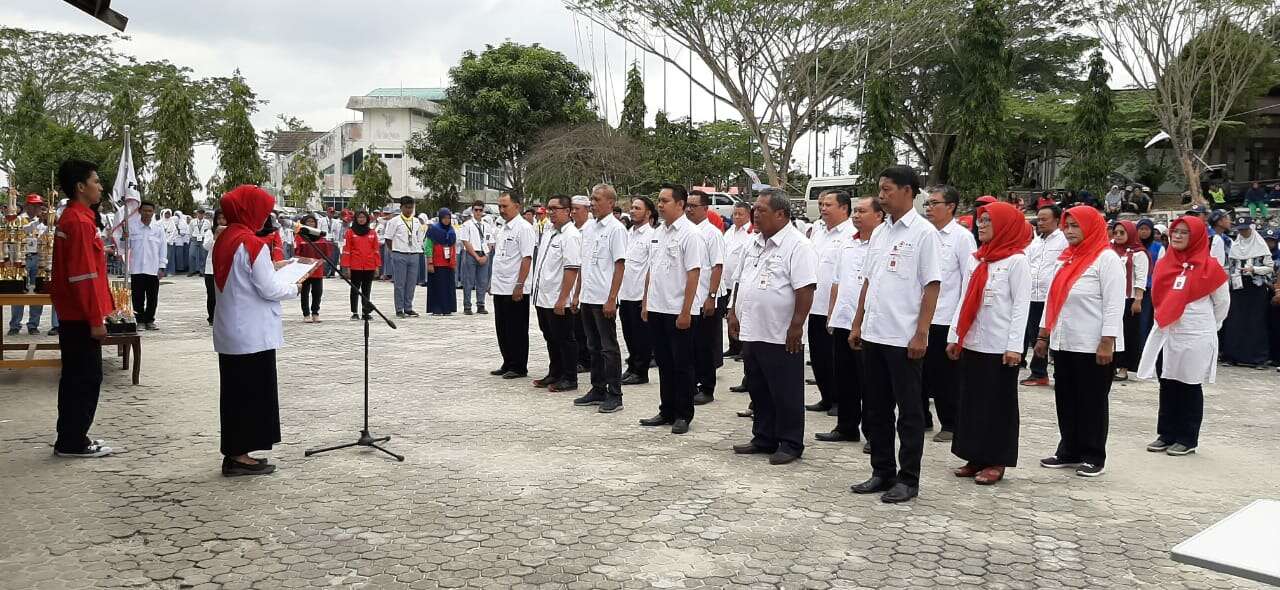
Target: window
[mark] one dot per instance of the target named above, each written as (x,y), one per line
(352,162)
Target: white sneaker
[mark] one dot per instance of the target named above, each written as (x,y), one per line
(97,449)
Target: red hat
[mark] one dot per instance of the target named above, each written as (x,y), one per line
(542,209)
(986,199)
(34,199)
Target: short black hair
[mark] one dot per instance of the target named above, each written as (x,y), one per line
(875,205)
(702,196)
(678,192)
(650,207)
(842,198)
(406,200)
(950,195)
(1054,210)
(903,176)
(477,203)
(617,210)
(146,204)
(514,199)
(565,201)
(73,172)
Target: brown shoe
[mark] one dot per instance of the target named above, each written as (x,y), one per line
(989,475)
(969,470)
(1035,382)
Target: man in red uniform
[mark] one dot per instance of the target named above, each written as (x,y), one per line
(82,299)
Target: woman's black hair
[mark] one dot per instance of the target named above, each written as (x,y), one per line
(650,207)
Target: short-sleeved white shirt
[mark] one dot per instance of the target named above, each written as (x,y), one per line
(714,256)
(1001,323)
(680,249)
(903,259)
(560,249)
(515,242)
(1042,256)
(602,246)
(853,258)
(405,234)
(827,243)
(957,246)
(640,247)
(736,240)
(772,270)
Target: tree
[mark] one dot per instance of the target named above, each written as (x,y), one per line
(979,166)
(175,176)
(373,184)
(878,151)
(498,103)
(1091,129)
(238,143)
(21,126)
(302,179)
(672,153)
(633,108)
(1150,39)
(122,117)
(572,159)
(46,149)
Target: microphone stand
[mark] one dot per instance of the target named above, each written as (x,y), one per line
(366,439)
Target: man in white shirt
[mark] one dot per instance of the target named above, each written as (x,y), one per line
(736,240)
(891,327)
(403,238)
(196,255)
(512,259)
(148,257)
(828,238)
(556,272)
(770,307)
(170,227)
(1042,257)
(671,298)
(580,213)
(476,236)
(604,254)
(708,343)
(941,374)
(641,242)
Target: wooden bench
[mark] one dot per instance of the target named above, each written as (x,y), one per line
(128,346)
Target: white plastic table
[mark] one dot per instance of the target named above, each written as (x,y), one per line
(1245,544)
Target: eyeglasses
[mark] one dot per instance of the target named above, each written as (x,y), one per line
(688,207)
(932,203)
(554,208)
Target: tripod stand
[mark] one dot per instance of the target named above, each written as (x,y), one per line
(366,439)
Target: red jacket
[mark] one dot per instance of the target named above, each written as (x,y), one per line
(80,289)
(320,249)
(362,252)
(276,244)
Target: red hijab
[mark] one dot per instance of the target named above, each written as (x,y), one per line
(246,208)
(1202,271)
(1010,233)
(1127,250)
(1076,259)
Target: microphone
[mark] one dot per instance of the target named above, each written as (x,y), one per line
(307,232)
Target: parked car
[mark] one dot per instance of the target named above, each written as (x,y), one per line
(723,204)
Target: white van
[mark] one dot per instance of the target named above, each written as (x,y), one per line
(809,205)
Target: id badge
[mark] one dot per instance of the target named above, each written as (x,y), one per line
(448,253)
(893,262)
(988,298)
(1179,282)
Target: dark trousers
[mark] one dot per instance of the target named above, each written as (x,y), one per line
(210,298)
(893,380)
(1181,412)
(1039,365)
(511,321)
(1081,390)
(708,351)
(673,349)
(639,340)
(145,290)
(361,284)
(735,345)
(1128,359)
(775,380)
(820,358)
(311,291)
(846,384)
(580,337)
(941,380)
(606,357)
(78,385)
(562,347)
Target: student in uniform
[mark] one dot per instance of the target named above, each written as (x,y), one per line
(147,262)
(671,295)
(319,248)
(640,243)
(1042,257)
(835,206)
(708,347)
(441,251)
(199,226)
(768,313)
(512,259)
(555,274)
(360,261)
(473,264)
(1127,245)
(891,328)
(986,339)
(211,234)
(1192,297)
(404,235)
(604,254)
(941,374)
(1250,266)
(1083,326)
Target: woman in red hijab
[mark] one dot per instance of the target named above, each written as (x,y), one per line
(1083,326)
(247,331)
(1137,264)
(1192,298)
(986,336)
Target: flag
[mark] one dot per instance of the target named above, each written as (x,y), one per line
(124,194)
(1157,139)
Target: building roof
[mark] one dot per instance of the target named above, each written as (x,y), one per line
(287,142)
(432,94)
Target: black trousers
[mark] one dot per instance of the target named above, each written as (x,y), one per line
(735,345)
(635,332)
(1081,390)
(78,385)
(210,298)
(562,347)
(311,291)
(673,349)
(941,380)
(820,357)
(511,321)
(708,351)
(1128,359)
(846,384)
(145,290)
(361,284)
(775,380)
(1039,366)
(580,337)
(248,402)
(893,380)
(1181,411)
(606,356)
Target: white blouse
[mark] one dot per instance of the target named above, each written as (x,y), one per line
(247,317)
(1001,323)
(1094,308)
(1190,344)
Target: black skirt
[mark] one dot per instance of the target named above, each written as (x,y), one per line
(1244,333)
(249,402)
(987,422)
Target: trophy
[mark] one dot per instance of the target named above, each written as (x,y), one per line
(120,320)
(44,252)
(13,269)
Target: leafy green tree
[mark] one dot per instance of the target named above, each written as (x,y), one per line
(979,166)
(175,176)
(672,153)
(728,146)
(1091,129)
(878,150)
(21,125)
(373,184)
(238,156)
(302,179)
(633,108)
(124,115)
(44,150)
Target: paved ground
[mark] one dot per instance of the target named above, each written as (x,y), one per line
(507,486)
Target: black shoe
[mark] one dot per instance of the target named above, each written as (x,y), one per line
(874,485)
(866,448)
(818,407)
(412,314)
(834,411)
(738,389)
(1055,462)
(900,492)
(543,382)
(634,379)
(400,314)
(583,369)
(680,427)
(593,398)
(210,320)
(54,332)
(610,405)
(782,458)
(658,420)
(355,316)
(498,372)
(810,381)
(747,413)
(514,375)
(466,311)
(834,436)
(33,331)
(482,311)
(563,385)
(232,468)
(750,449)
(151,326)
(702,398)
(14,331)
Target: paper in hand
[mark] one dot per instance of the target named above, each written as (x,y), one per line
(296,270)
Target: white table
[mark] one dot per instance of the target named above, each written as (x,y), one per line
(1245,544)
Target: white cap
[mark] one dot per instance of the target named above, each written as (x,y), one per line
(581,200)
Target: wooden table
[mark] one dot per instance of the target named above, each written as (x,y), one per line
(127,345)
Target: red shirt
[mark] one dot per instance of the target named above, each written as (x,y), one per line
(276,244)
(362,252)
(319,249)
(80,289)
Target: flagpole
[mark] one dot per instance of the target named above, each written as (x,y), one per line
(120,194)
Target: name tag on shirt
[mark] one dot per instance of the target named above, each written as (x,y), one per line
(1179,282)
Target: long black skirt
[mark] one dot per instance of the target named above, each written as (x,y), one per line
(1244,333)
(987,418)
(1134,338)
(249,402)
(441,297)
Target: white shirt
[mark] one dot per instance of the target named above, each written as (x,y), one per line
(515,242)
(1094,308)
(1190,344)
(736,240)
(713,250)
(904,257)
(1141,266)
(772,271)
(405,234)
(480,234)
(147,247)
(247,319)
(1001,323)
(1218,248)
(828,243)
(209,240)
(681,248)
(604,242)
(1042,256)
(640,246)
(337,232)
(558,251)
(849,276)
(199,227)
(183,230)
(32,230)
(957,244)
